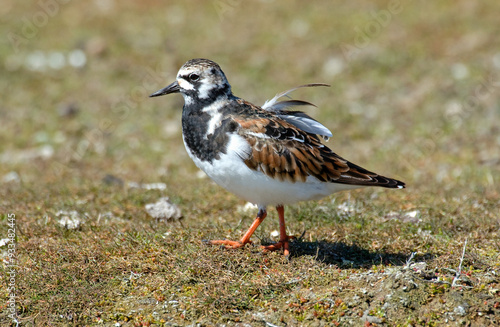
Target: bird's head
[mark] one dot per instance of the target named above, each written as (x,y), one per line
(198,79)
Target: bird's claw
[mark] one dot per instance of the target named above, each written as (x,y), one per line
(228,244)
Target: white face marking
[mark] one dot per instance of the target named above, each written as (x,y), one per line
(213,111)
(185,84)
(185,71)
(204,90)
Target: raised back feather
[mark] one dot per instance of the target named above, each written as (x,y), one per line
(297,118)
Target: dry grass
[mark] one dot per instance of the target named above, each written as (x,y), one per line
(415,98)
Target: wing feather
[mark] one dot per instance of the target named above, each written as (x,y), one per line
(297,118)
(282,150)
(273,104)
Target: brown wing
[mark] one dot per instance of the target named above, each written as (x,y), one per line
(281,150)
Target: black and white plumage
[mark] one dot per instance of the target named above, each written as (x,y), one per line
(266,155)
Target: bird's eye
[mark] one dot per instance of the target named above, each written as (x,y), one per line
(194,77)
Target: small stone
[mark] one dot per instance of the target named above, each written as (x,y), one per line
(248,208)
(333,66)
(460,310)
(407,217)
(346,209)
(69,219)
(419,267)
(77,58)
(11,177)
(371,319)
(275,233)
(17,156)
(459,71)
(148,186)
(163,209)
(354,301)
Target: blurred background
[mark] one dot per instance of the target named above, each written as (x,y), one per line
(414,85)
(415,95)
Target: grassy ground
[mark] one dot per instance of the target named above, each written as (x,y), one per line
(415,89)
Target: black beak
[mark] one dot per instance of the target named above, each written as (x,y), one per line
(172,88)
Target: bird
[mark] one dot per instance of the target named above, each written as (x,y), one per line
(268,155)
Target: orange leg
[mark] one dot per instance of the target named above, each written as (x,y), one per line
(246,238)
(283,243)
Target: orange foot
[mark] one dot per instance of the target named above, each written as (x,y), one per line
(228,244)
(246,238)
(281,244)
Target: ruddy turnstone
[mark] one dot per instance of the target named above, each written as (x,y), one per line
(266,155)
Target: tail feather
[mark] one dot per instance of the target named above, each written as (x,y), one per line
(368,178)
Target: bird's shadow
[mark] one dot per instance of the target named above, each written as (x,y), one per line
(350,255)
